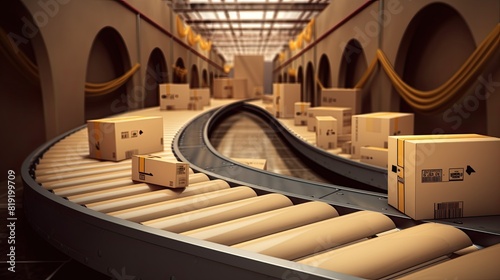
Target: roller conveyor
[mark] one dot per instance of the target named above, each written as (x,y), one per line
(223,225)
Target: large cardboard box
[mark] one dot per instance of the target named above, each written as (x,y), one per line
(444,176)
(122,137)
(342,97)
(300,112)
(225,88)
(160,171)
(374,156)
(251,69)
(326,132)
(174,96)
(285,97)
(373,129)
(200,95)
(341,114)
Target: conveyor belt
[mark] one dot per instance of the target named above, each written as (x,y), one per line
(227,225)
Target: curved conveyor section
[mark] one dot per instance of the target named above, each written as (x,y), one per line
(221,227)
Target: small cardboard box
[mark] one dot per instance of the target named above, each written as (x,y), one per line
(223,88)
(300,113)
(195,100)
(285,97)
(374,156)
(258,163)
(326,132)
(159,171)
(444,176)
(373,129)
(201,94)
(174,96)
(342,97)
(341,114)
(120,138)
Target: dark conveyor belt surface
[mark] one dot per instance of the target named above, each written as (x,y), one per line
(245,135)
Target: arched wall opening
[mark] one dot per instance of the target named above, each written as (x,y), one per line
(211,78)
(435,45)
(324,75)
(156,73)
(352,67)
(300,80)
(22,116)
(204,79)
(194,81)
(309,89)
(179,75)
(108,60)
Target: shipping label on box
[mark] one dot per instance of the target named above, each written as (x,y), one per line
(300,113)
(373,129)
(285,97)
(444,176)
(160,171)
(374,156)
(120,138)
(174,96)
(342,97)
(326,132)
(343,116)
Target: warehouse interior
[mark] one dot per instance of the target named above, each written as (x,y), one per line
(67,62)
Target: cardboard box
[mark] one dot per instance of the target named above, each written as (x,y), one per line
(120,138)
(230,88)
(326,132)
(223,88)
(253,162)
(195,100)
(285,97)
(342,97)
(300,112)
(174,96)
(374,156)
(341,114)
(202,94)
(444,176)
(160,171)
(251,69)
(373,129)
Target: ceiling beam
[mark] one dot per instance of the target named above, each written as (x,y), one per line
(212,7)
(243,21)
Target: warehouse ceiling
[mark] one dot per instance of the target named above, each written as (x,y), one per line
(248,27)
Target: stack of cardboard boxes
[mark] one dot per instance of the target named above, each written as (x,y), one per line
(326,134)
(227,88)
(370,132)
(132,137)
(300,113)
